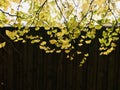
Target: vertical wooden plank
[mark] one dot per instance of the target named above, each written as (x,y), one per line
(111,74)
(45,71)
(49,72)
(40,70)
(52,77)
(29,67)
(59,72)
(25,65)
(75,68)
(102,73)
(118,71)
(55,58)
(92,66)
(69,74)
(37,69)
(9,67)
(116,68)
(78,83)
(1,69)
(18,67)
(6,74)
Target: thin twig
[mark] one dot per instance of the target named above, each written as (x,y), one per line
(60,10)
(8,13)
(38,11)
(88,11)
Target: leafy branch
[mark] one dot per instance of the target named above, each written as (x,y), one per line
(77,25)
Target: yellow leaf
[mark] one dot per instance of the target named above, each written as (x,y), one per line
(11,34)
(78,52)
(68,56)
(80,44)
(71,58)
(35,41)
(67,51)
(53,41)
(58,51)
(43,43)
(86,55)
(65,44)
(2,44)
(88,41)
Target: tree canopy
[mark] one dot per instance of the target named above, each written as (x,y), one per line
(66,22)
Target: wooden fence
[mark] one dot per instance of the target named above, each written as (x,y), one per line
(26,67)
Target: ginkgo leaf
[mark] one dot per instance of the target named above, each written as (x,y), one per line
(35,41)
(80,44)
(53,41)
(86,55)
(71,58)
(2,44)
(11,34)
(78,52)
(43,43)
(67,51)
(58,51)
(88,41)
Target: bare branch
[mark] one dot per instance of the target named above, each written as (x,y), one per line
(8,13)
(60,10)
(41,7)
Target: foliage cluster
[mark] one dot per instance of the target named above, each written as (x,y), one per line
(78,22)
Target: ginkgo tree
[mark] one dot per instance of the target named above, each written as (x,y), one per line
(67,24)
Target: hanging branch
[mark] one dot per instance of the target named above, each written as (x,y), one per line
(12,15)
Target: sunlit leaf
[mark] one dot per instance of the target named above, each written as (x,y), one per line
(43,43)
(86,55)
(88,41)
(11,34)
(78,52)
(53,41)
(35,41)
(67,51)
(2,44)
(58,51)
